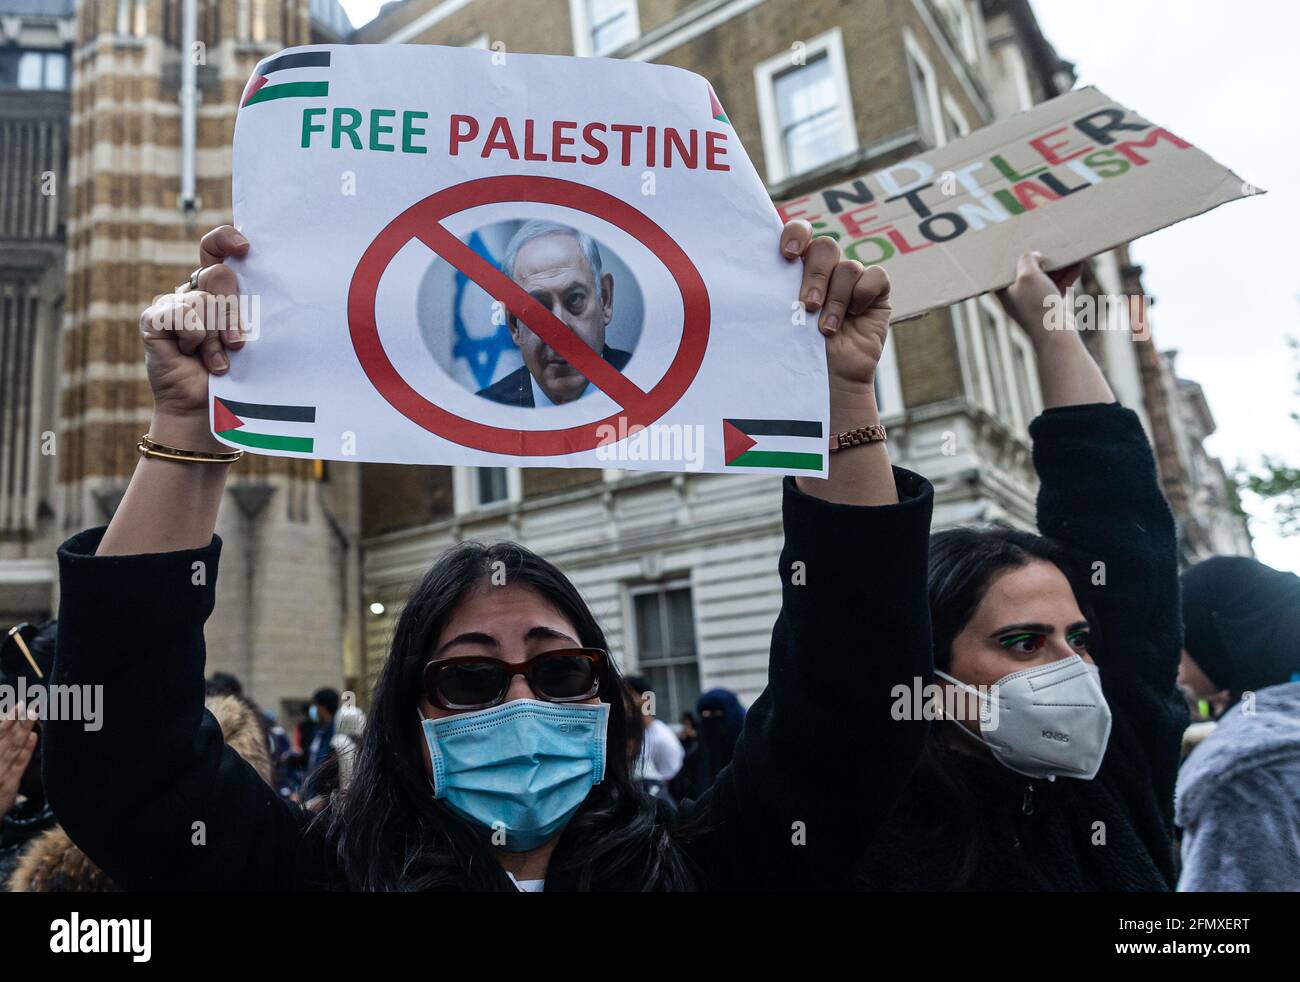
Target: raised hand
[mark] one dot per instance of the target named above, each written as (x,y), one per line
(172,505)
(187,334)
(1067,374)
(1028,300)
(852,302)
(17,744)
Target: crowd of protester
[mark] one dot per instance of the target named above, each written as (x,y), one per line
(504,750)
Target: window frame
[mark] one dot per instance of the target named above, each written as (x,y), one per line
(632,640)
(965,31)
(889,385)
(44,57)
(916,56)
(583,30)
(1018,346)
(465,489)
(829,44)
(953,113)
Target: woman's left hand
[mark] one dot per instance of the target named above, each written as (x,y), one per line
(853,301)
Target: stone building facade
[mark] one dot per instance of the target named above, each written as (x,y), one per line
(35,67)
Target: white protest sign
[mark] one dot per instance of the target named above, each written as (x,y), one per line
(1072,177)
(463,256)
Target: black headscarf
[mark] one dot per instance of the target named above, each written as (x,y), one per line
(1241,622)
(719,733)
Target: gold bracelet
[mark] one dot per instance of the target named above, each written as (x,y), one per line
(148,448)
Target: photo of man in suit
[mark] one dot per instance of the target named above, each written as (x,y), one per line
(560,267)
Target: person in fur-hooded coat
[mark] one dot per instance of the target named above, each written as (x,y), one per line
(54,864)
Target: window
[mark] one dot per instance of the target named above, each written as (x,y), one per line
(990,335)
(805,107)
(132,18)
(259,20)
(664,616)
(1023,362)
(953,118)
(889,387)
(602,26)
(480,487)
(251,21)
(491,484)
(925,92)
(961,26)
(810,118)
(37,70)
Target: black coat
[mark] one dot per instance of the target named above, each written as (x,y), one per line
(1098,496)
(516,389)
(817,766)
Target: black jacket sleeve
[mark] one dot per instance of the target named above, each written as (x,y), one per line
(822,756)
(152,794)
(1100,496)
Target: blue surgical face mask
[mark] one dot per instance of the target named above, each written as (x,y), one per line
(313,714)
(522,768)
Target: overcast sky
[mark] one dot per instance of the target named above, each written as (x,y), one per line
(1227,284)
(361,10)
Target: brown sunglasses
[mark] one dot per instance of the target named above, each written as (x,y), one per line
(480,682)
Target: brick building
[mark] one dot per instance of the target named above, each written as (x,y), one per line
(115,234)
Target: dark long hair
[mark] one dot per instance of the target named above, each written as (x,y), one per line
(390,833)
(963,563)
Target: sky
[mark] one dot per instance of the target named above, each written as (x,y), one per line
(1227,284)
(361,11)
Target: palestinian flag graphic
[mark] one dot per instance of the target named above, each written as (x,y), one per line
(277,427)
(789,443)
(715,108)
(299,85)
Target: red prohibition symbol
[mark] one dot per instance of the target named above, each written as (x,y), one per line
(422,222)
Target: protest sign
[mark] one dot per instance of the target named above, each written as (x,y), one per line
(463,256)
(1072,177)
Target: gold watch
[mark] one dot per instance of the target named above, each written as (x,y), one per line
(875,433)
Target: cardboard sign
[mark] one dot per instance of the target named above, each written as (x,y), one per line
(1072,177)
(463,256)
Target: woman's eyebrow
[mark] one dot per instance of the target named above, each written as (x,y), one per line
(470,637)
(1023,628)
(547,634)
(1078,626)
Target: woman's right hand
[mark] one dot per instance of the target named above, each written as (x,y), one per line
(1034,291)
(187,335)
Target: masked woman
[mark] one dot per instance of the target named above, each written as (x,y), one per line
(494,755)
(1055,762)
